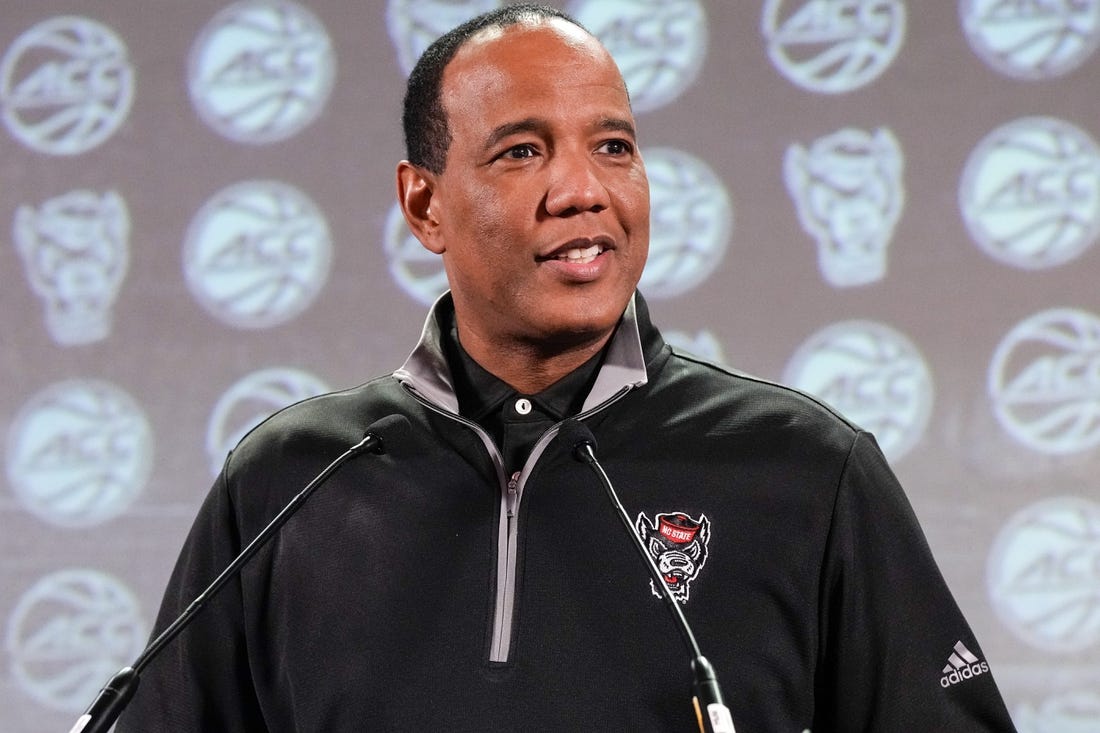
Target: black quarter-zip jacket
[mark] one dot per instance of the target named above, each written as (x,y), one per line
(422,590)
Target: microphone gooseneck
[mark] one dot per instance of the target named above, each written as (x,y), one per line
(118,691)
(710,710)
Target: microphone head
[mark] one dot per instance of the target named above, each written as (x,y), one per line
(578,437)
(386,427)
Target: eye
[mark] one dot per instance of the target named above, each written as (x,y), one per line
(616,147)
(519,152)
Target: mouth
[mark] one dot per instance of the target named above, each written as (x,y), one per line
(579,251)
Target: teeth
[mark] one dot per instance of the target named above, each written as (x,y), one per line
(582,256)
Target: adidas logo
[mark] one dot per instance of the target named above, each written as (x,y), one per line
(961,665)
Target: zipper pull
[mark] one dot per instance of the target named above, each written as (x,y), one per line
(512,497)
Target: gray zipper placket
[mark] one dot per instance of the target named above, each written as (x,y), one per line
(500,649)
(511,493)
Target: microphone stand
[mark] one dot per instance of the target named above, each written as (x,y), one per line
(116,694)
(710,710)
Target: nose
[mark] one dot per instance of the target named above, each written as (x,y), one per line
(575,186)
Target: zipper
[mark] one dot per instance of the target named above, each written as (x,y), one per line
(500,648)
(500,645)
(507,547)
(512,497)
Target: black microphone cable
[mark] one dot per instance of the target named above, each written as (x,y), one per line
(118,691)
(710,709)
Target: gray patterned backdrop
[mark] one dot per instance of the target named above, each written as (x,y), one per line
(892,204)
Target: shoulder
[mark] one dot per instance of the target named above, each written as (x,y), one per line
(318,425)
(734,402)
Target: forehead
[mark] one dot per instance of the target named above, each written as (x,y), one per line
(529,60)
(528,31)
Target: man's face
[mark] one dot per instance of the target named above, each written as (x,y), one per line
(543,206)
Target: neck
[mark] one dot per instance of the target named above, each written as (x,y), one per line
(530,367)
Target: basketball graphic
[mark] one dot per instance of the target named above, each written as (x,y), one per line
(691,220)
(261,71)
(69,633)
(1030,193)
(831,47)
(66,85)
(257,254)
(79,452)
(1043,574)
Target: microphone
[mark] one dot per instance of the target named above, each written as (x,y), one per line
(710,710)
(118,691)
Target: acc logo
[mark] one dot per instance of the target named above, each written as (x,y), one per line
(75,250)
(1039,39)
(416,270)
(1043,574)
(1072,712)
(678,544)
(659,45)
(1044,382)
(873,375)
(66,85)
(833,46)
(261,71)
(703,344)
(79,452)
(249,402)
(68,633)
(257,254)
(690,223)
(848,191)
(1030,193)
(414,24)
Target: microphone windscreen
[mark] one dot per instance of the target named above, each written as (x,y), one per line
(576,435)
(390,429)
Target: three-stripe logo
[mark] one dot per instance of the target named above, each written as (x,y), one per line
(961,665)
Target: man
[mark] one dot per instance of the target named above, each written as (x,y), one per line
(474,577)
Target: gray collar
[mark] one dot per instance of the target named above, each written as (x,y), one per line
(426,371)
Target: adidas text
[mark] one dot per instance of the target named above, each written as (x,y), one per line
(958,675)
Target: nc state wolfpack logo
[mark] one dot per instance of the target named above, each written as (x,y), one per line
(678,545)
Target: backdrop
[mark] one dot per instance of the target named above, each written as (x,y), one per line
(893,205)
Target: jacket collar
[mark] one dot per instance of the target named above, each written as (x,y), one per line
(427,373)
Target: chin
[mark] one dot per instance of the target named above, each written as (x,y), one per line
(581,325)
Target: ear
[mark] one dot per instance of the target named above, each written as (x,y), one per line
(415,193)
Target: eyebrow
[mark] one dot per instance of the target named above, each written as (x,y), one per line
(535,124)
(618,124)
(531,124)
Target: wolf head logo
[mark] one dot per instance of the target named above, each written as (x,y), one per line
(678,544)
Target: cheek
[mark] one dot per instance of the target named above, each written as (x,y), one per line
(486,216)
(481,240)
(635,201)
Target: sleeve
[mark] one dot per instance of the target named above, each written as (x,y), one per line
(201,680)
(891,634)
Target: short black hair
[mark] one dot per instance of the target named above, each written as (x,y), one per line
(427,136)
